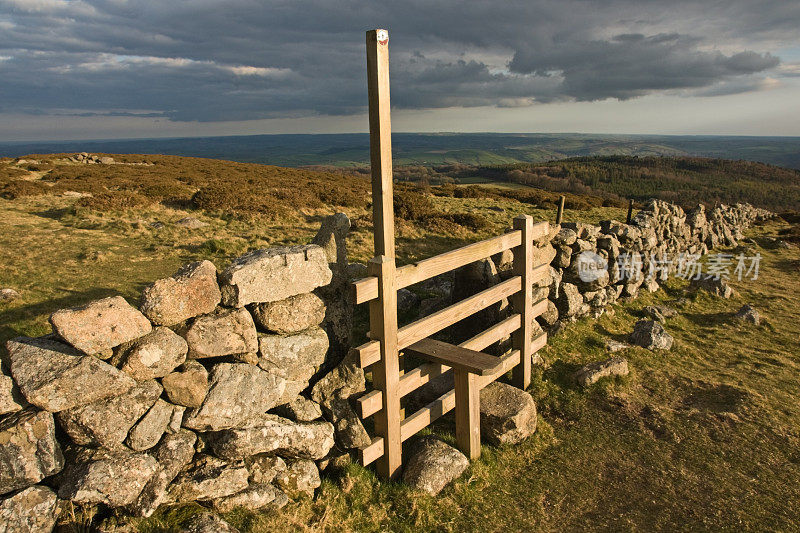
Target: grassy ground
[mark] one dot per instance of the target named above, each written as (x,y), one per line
(704,437)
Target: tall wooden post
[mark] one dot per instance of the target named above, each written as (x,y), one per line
(560,212)
(522,302)
(383,310)
(630,211)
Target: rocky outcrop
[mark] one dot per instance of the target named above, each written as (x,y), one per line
(651,335)
(594,372)
(748,313)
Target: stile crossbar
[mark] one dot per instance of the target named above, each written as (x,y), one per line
(471,369)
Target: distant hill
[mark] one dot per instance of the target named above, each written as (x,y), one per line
(352,150)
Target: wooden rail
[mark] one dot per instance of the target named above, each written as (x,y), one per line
(472,369)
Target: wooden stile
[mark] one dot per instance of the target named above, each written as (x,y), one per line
(522,302)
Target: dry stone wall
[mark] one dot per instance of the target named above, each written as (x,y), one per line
(236,388)
(221,387)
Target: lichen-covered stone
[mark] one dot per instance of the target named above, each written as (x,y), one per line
(9,402)
(208,523)
(253,498)
(295,358)
(569,300)
(113,477)
(508,414)
(192,291)
(748,313)
(300,477)
(189,386)
(273,434)
(350,432)
(237,393)
(100,325)
(224,332)
(264,468)
(172,453)
(294,314)
(274,274)
(33,510)
(345,380)
(432,465)
(300,410)
(208,478)
(593,372)
(107,422)
(54,377)
(29,451)
(155,355)
(148,430)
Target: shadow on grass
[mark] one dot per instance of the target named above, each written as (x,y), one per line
(709,319)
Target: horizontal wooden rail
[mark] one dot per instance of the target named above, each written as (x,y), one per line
(369,352)
(366,289)
(371,403)
(442,405)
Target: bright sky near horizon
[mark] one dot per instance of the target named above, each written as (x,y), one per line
(102,69)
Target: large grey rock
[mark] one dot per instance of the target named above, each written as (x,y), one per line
(189,386)
(107,422)
(300,410)
(8,295)
(155,355)
(350,432)
(100,325)
(345,380)
(291,315)
(238,393)
(29,451)
(569,301)
(172,453)
(433,465)
(508,414)
(54,377)
(192,291)
(295,358)
(208,523)
(300,477)
(253,498)
(33,510)
(748,313)
(208,478)
(148,430)
(113,477)
(274,274)
(224,332)
(651,335)
(273,434)
(593,372)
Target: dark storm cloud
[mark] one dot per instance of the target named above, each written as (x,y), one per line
(242,59)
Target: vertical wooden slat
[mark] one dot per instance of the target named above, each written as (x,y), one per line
(386,372)
(560,212)
(523,301)
(380,141)
(468,416)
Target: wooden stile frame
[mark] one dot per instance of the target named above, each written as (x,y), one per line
(471,371)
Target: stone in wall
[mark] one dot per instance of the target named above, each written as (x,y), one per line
(10,399)
(112,477)
(31,511)
(188,386)
(300,477)
(155,355)
(208,478)
(54,376)
(224,332)
(237,394)
(295,358)
(274,274)
(100,325)
(148,430)
(192,291)
(300,410)
(276,435)
(292,315)
(107,422)
(29,451)
(172,454)
(254,497)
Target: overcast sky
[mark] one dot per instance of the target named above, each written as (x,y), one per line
(72,69)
